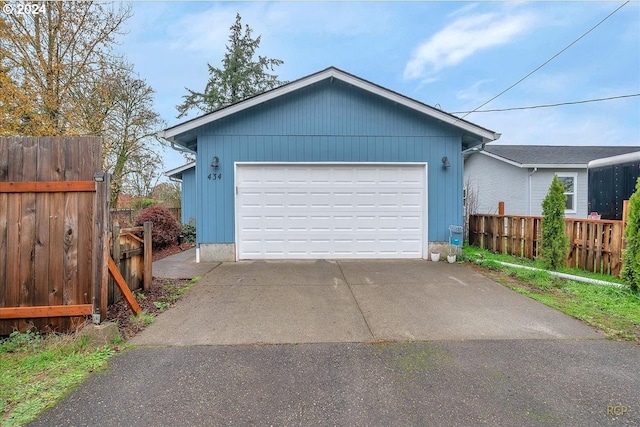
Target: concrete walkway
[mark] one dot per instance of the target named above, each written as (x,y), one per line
(353,301)
(182,266)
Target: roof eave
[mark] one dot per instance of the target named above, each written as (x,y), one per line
(555,165)
(535,165)
(484,135)
(180,169)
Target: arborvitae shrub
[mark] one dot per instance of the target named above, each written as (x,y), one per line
(165,229)
(631,254)
(555,242)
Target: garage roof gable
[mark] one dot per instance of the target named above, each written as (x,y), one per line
(475,134)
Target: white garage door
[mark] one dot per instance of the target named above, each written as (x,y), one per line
(313,211)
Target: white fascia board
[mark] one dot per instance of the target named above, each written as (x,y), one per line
(556,166)
(485,134)
(251,102)
(180,169)
(502,159)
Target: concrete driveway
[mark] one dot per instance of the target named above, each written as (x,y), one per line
(489,356)
(353,301)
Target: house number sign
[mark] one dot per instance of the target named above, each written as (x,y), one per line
(214,176)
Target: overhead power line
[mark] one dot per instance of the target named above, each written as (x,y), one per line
(547,61)
(548,105)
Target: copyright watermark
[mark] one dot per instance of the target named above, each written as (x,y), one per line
(617,410)
(24,8)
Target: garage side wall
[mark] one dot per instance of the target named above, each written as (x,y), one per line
(326,122)
(188,200)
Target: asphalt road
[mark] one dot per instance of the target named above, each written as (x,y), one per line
(584,382)
(358,343)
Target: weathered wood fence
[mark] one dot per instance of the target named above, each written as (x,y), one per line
(594,245)
(55,236)
(133,257)
(52,218)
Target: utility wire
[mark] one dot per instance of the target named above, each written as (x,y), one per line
(549,60)
(547,105)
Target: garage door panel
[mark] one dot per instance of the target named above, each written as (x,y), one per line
(330,211)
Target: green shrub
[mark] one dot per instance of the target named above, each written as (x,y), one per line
(144,203)
(165,229)
(631,254)
(555,243)
(188,232)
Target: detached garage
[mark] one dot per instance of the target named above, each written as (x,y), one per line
(329,166)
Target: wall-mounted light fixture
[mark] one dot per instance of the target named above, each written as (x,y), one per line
(99,176)
(445,162)
(215,162)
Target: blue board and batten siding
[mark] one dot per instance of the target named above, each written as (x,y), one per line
(188,200)
(330,121)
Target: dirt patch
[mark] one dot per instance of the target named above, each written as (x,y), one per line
(162,295)
(502,277)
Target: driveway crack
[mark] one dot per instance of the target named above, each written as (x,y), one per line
(364,318)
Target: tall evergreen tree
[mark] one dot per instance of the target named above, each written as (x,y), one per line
(241,75)
(631,254)
(554,237)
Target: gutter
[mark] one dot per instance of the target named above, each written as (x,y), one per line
(473,150)
(180,148)
(565,276)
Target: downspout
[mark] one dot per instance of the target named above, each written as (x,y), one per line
(197,201)
(183,149)
(529,191)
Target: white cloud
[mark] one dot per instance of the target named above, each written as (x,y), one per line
(465,37)
(474,94)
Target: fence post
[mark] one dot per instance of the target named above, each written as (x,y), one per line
(101,245)
(625,213)
(148,257)
(115,234)
(501,208)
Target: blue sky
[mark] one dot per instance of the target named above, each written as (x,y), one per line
(453,55)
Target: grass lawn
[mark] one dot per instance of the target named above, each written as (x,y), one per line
(37,372)
(615,311)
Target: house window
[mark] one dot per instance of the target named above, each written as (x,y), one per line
(569,182)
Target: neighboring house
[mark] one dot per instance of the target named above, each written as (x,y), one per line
(612,180)
(520,176)
(327,166)
(186,175)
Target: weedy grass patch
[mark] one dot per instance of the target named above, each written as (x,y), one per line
(37,371)
(615,311)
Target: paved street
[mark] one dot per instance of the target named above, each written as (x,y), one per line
(358,343)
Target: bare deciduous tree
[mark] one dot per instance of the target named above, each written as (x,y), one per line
(129,138)
(51,54)
(471,204)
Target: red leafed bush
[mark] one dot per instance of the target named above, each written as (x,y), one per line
(165,229)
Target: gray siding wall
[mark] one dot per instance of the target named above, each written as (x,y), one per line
(541,181)
(327,122)
(495,181)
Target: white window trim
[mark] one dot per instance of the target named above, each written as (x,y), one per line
(575,189)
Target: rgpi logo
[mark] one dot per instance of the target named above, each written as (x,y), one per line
(617,410)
